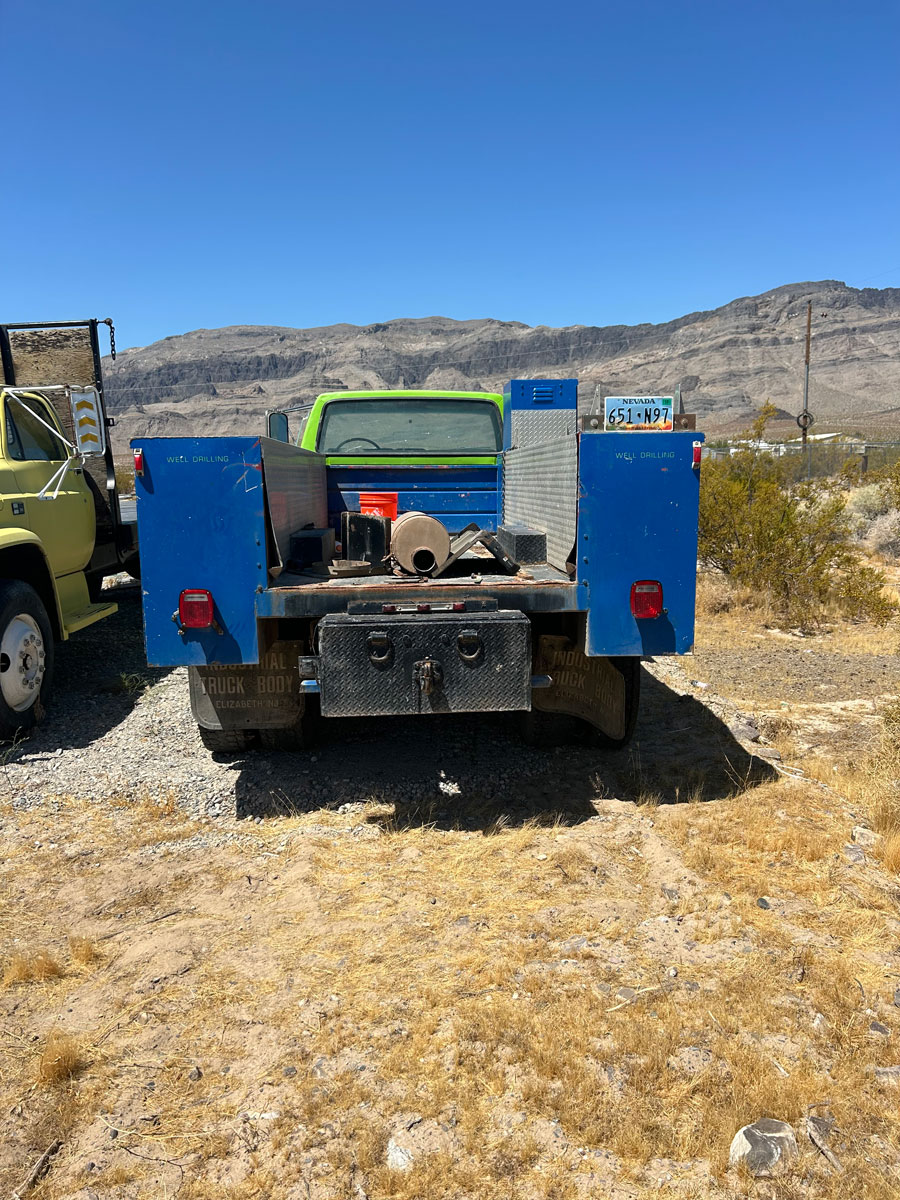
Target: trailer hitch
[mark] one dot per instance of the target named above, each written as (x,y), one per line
(429,675)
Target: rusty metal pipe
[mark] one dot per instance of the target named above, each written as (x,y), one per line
(419,543)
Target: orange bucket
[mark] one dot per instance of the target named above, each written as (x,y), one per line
(379,504)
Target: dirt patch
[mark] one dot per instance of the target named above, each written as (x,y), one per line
(768,672)
(436,961)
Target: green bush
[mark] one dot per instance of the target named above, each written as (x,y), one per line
(889,485)
(790,542)
(869,502)
(883,535)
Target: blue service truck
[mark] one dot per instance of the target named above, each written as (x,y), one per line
(420,553)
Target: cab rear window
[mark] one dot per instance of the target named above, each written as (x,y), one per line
(398,426)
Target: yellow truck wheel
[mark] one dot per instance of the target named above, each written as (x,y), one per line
(26,657)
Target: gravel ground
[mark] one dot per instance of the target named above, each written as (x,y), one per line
(118,727)
(797,673)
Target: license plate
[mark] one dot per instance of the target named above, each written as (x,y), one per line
(639,412)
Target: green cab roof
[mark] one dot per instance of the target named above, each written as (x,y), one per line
(410,393)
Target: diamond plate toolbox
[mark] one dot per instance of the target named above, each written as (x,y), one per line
(406,664)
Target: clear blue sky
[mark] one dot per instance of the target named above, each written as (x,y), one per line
(181,165)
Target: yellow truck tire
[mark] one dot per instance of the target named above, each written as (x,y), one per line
(26,658)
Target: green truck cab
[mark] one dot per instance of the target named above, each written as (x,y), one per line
(61,528)
(396,428)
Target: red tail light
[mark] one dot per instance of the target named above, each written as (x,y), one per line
(195,608)
(698,447)
(138,462)
(646,599)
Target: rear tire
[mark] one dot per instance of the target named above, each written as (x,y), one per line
(26,658)
(227,741)
(298,736)
(282,739)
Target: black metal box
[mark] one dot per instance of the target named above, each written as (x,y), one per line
(310,546)
(366,538)
(522,543)
(409,663)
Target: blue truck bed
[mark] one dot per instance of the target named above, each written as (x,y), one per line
(614,509)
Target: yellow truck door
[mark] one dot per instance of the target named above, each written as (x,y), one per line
(32,455)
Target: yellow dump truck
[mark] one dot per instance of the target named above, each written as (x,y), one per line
(61,523)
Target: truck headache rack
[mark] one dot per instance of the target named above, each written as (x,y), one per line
(50,357)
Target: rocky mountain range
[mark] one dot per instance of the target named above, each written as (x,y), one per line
(727,362)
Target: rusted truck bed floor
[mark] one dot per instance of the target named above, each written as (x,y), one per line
(536,588)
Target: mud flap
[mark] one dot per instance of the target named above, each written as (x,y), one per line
(592,689)
(266,696)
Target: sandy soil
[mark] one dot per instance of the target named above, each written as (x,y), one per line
(427,960)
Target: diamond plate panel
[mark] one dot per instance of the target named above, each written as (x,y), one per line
(540,489)
(353,685)
(531,427)
(295,491)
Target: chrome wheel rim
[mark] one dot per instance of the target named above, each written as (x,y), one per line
(22,662)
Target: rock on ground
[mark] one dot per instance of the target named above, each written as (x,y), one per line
(765,1148)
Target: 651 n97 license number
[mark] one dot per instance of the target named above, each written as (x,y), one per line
(638,412)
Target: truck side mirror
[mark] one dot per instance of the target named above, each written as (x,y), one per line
(88,421)
(277,426)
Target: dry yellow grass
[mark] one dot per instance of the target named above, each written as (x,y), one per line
(82,950)
(60,1058)
(470,984)
(890,852)
(114,1177)
(30,967)
(438,962)
(870,784)
(729,616)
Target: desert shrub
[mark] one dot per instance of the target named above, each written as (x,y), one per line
(882,535)
(890,714)
(790,543)
(860,595)
(888,481)
(869,502)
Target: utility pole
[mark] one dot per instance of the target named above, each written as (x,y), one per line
(806,418)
